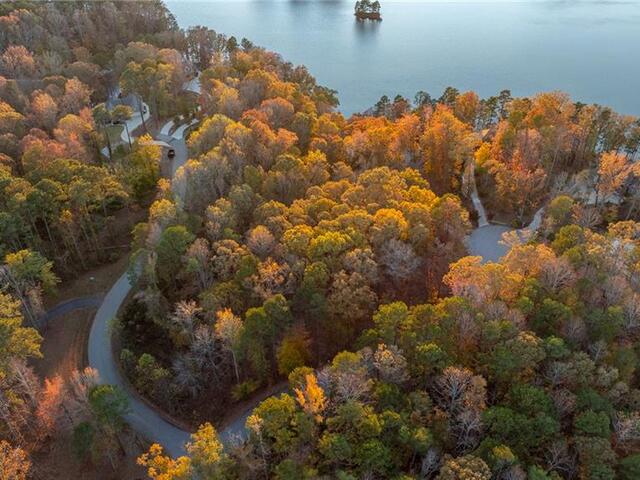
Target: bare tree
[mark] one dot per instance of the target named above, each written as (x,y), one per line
(78,387)
(626,427)
(631,312)
(390,364)
(559,458)
(557,273)
(430,463)
(463,396)
(184,319)
(198,257)
(400,260)
(585,216)
(451,387)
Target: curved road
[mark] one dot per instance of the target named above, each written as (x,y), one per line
(142,417)
(70,305)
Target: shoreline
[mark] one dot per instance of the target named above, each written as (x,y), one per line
(368,16)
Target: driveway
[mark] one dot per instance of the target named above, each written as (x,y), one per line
(134,122)
(142,417)
(485,242)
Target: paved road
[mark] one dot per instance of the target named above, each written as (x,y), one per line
(179,146)
(486,240)
(192,85)
(179,132)
(166,128)
(134,122)
(70,305)
(141,417)
(483,221)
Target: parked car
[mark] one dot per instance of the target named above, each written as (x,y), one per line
(171,153)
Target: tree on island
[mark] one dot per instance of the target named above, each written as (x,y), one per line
(367,9)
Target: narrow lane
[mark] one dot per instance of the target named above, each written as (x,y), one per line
(142,417)
(70,305)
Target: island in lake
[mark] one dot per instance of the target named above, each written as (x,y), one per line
(366,9)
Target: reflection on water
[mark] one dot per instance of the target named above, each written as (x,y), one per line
(525,46)
(365,28)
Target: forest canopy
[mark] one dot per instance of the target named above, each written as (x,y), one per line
(320,257)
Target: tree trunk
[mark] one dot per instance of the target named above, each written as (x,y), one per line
(632,208)
(74,241)
(235,366)
(54,244)
(108,144)
(128,134)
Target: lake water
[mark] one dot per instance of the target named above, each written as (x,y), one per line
(588,49)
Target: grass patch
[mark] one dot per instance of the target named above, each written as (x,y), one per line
(114,132)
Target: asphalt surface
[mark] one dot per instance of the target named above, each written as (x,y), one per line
(486,240)
(142,417)
(70,305)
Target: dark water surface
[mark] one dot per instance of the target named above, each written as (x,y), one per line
(588,49)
